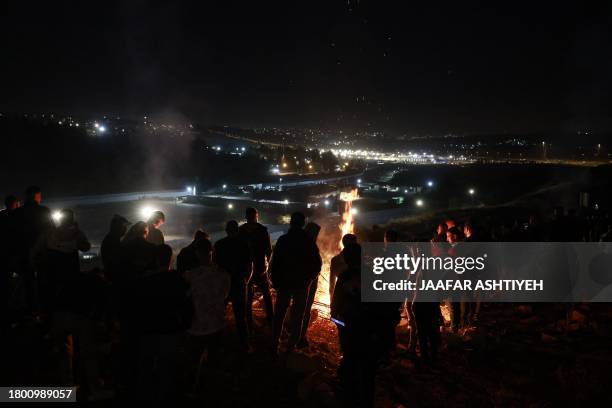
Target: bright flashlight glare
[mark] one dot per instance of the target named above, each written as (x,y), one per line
(419,203)
(225,186)
(286,201)
(189,189)
(430,183)
(358,180)
(326,202)
(96,125)
(471,191)
(57,216)
(230,206)
(354,211)
(146,212)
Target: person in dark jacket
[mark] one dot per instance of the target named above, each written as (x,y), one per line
(155,221)
(187,258)
(361,331)
(56,257)
(312,230)
(137,254)
(232,254)
(260,249)
(110,250)
(164,313)
(138,258)
(32,221)
(295,263)
(7,254)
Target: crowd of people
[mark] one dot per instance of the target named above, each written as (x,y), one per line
(170,321)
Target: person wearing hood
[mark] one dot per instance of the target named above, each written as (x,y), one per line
(110,250)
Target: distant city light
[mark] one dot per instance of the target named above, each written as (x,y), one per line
(275,170)
(96,125)
(57,216)
(359,181)
(419,203)
(224,186)
(405,191)
(284,165)
(286,201)
(471,191)
(243,148)
(430,183)
(101,129)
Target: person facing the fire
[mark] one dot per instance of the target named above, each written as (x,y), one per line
(295,263)
(362,333)
(260,250)
(337,264)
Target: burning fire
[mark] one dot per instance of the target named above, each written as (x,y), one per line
(331,246)
(347,226)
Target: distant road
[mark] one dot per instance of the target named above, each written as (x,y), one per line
(111,198)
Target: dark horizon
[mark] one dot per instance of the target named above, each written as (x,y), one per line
(356,65)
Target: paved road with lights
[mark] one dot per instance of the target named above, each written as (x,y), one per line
(112,198)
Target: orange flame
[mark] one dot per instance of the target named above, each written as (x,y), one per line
(331,246)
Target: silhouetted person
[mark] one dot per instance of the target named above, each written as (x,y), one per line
(32,220)
(138,258)
(210,286)
(428,320)
(454,238)
(260,249)
(138,255)
(389,311)
(164,313)
(7,254)
(312,230)
(337,264)
(440,234)
(110,250)
(155,221)
(295,263)
(360,332)
(187,258)
(232,254)
(56,256)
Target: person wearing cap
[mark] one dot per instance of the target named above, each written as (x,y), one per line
(110,251)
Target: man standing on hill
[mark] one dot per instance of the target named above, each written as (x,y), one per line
(260,250)
(295,263)
(32,221)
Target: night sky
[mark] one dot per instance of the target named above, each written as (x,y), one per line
(422,68)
